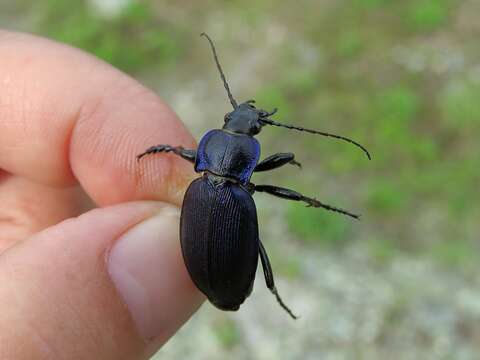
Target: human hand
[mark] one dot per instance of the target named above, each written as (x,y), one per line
(111,283)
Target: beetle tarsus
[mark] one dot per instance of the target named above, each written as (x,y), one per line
(282,304)
(187,154)
(296,196)
(296,163)
(312,202)
(267,271)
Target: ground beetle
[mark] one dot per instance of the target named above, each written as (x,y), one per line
(218,224)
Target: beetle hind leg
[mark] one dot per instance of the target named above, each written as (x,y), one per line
(267,271)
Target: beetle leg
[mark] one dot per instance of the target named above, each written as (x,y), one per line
(267,271)
(187,154)
(276,160)
(296,196)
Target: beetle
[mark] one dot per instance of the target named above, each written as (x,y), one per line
(218,224)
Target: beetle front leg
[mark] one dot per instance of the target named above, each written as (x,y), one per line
(296,196)
(276,160)
(267,271)
(187,154)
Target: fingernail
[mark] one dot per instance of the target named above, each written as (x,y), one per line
(147,268)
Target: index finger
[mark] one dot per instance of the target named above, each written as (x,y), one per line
(66,117)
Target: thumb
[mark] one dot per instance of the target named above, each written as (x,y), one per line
(110,284)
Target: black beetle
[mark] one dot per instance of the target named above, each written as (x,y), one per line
(218,224)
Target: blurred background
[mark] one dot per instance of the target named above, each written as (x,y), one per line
(400,77)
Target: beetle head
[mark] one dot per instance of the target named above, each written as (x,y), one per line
(246,119)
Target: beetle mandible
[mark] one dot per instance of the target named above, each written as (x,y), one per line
(218,223)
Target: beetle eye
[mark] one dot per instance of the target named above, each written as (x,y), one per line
(226,117)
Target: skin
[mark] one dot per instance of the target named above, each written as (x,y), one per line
(70,128)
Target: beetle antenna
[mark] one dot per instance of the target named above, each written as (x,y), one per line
(230,96)
(274,123)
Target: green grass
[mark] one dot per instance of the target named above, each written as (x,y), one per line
(387,197)
(427,15)
(131,40)
(373,4)
(455,253)
(460,105)
(315,226)
(396,109)
(227,333)
(349,44)
(382,251)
